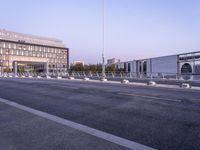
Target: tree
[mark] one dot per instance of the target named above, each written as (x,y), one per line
(91,67)
(110,68)
(77,67)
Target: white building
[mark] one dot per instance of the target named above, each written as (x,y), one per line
(78,62)
(186,63)
(112,61)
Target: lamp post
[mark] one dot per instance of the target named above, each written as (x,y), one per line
(103,39)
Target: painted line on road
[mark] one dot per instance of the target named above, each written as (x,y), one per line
(151,97)
(91,131)
(65,86)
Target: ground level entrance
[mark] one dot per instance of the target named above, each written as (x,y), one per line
(29,67)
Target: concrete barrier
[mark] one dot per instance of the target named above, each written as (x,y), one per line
(125,81)
(58,77)
(103,80)
(185,85)
(48,77)
(86,79)
(151,83)
(71,78)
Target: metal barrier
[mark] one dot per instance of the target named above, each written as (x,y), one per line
(120,75)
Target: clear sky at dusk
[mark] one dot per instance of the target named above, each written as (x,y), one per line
(134,29)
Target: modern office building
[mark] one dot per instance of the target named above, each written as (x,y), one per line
(27,53)
(186,63)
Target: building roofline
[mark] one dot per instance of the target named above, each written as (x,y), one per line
(171,55)
(33,44)
(15,36)
(159,57)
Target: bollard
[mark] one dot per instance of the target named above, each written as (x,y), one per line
(103,79)
(125,81)
(10,76)
(48,77)
(152,83)
(86,79)
(59,77)
(185,85)
(71,78)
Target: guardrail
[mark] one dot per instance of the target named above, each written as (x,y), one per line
(153,79)
(122,75)
(158,75)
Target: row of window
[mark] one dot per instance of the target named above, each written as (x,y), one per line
(32,53)
(57,61)
(20,46)
(3,57)
(190,57)
(57,66)
(4,63)
(40,66)
(51,60)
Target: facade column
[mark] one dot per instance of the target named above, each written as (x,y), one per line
(47,68)
(15,67)
(142,71)
(194,68)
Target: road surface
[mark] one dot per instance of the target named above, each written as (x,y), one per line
(160,118)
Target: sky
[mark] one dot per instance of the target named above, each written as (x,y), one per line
(134,29)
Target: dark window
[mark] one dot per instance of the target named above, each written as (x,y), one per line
(186,68)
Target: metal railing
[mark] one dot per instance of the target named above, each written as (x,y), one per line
(134,75)
(122,75)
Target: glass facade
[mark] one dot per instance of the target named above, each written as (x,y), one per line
(55,56)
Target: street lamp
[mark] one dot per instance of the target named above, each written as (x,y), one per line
(103,39)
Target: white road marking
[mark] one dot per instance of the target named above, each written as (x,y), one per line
(91,131)
(151,97)
(65,86)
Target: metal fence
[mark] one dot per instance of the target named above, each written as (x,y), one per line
(122,75)
(134,75)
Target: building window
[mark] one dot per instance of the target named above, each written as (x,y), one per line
(11,51)
(7,45)
(30,53)
(4,45)
(186,68)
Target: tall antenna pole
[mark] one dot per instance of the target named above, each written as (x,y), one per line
(103,38)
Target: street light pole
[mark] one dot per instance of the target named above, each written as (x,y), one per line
(103,38)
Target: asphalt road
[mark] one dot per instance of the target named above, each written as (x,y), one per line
(20,130)
(145,80)
(161,118)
